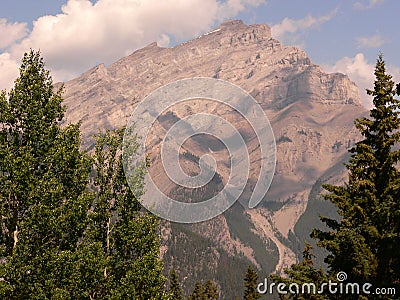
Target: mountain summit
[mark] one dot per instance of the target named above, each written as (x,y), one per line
(311,113)
(246,55)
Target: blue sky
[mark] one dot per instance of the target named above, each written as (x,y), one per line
(74,35)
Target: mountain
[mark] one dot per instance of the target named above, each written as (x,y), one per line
(311,114)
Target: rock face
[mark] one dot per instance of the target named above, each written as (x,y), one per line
(311,113)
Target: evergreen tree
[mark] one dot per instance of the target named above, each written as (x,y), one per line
(303,272)
(210,291)
(207,291)
(250,285)
(365,242)
(198,293)
(175,290)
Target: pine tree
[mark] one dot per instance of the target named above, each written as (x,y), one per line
(364,243)
(303,272)
(175,289)
(210,291)
(250,285)
(198,293)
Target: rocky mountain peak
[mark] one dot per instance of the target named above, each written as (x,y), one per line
(238,27)
(311,113)
(236,33)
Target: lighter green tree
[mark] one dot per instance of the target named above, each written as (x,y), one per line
(43,177)
(63,236)
(129,237)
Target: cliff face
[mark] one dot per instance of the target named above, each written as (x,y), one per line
(275,75)
(311,113)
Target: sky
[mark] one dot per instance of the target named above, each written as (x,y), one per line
(75,35)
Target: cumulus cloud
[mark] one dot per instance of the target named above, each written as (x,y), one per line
(361,72)
(374,41)
(367,5)
(11,32)
(288,28)
(9,71)
(87,33)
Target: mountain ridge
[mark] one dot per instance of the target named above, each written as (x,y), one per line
(311,113)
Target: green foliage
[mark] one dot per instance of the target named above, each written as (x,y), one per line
(364,242)
(43,177)
(197,293)
(210,291)
(304,272)
(175,289)
(207,291)
(250,285)
(63,237)
(128,238)
(36,155)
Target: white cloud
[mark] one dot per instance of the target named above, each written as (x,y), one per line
(362,73)
(370,4)
(8,71)
(11,32)
(86,34)
(374,41)
(287,28)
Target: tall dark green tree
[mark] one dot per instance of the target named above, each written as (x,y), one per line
(304,272)
(198,293)
(210,291)
(175,289)
(250,285)
(206,291)
(364,243)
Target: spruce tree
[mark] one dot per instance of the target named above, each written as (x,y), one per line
(175,289)
(303,272)
(364,243)
(250,285)
(198,293)
(210,291)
